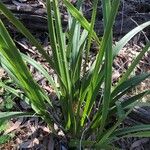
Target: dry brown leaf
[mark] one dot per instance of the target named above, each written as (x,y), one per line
(24,45)
(116,75)
(29,144)
(14,126)
(46,129)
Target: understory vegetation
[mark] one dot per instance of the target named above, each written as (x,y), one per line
(92,108)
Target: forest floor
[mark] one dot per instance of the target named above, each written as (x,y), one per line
(32,133)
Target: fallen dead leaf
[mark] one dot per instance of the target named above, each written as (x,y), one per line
(29,144)
(46,129)
(14,126)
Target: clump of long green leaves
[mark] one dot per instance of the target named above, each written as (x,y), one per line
(78,90)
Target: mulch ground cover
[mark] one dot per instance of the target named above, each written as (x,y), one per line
(33,133)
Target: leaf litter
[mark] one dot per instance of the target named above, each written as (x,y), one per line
(32,133)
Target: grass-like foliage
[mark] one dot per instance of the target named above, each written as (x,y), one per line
(4,137)
(78,87)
